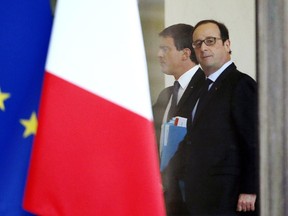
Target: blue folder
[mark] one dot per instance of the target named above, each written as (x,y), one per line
(170,138)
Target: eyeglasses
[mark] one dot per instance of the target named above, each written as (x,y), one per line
(209,41)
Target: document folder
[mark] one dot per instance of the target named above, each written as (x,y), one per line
(171,136)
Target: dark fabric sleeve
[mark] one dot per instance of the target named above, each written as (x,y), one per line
(245,116)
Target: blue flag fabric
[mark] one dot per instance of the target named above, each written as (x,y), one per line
(24,37)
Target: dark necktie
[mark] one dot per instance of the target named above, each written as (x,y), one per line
(173,106)
(203,93)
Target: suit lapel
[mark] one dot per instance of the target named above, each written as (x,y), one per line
(212,92)
(192,88)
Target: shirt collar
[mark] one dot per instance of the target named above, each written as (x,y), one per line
(187,76)
(217,73)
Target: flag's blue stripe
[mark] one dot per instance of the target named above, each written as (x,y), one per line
(24,37)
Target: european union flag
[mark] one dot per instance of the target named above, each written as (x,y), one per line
(24,37)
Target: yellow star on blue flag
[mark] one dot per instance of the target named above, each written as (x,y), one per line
(26,28)
(30,125)
(3,96)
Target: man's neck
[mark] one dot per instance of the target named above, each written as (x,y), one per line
(209,71)
(184,69)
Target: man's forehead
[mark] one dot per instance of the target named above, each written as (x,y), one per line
(167,40)
(206,30)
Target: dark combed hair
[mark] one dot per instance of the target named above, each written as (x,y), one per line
(224,33)
(182,36)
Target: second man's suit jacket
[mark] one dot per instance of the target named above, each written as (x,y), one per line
(218,157)
(184,107)
(173,197)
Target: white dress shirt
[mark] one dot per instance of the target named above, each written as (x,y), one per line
(183,81)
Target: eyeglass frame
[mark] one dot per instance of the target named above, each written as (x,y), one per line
(200,42)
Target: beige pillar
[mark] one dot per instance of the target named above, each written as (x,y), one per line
(273,90)
(152,20)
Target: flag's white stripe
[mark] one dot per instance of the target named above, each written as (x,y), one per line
(97,45)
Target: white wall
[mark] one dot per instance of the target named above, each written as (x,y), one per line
(239,17)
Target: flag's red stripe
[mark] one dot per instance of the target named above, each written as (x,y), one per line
(91,157)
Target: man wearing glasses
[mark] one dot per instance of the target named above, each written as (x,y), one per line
(218,157)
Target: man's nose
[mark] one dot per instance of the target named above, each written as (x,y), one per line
(160,53)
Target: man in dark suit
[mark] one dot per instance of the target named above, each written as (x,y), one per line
(177,58)
(218,157)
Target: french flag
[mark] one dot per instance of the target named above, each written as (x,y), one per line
(95,148)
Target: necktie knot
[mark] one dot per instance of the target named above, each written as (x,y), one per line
(207,83)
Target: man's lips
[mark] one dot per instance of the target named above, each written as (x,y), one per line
(206,56)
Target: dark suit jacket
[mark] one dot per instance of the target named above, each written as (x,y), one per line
(184,107)
(173,197)
(218,157)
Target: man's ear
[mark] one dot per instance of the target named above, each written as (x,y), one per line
(186,53)
(227,45)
